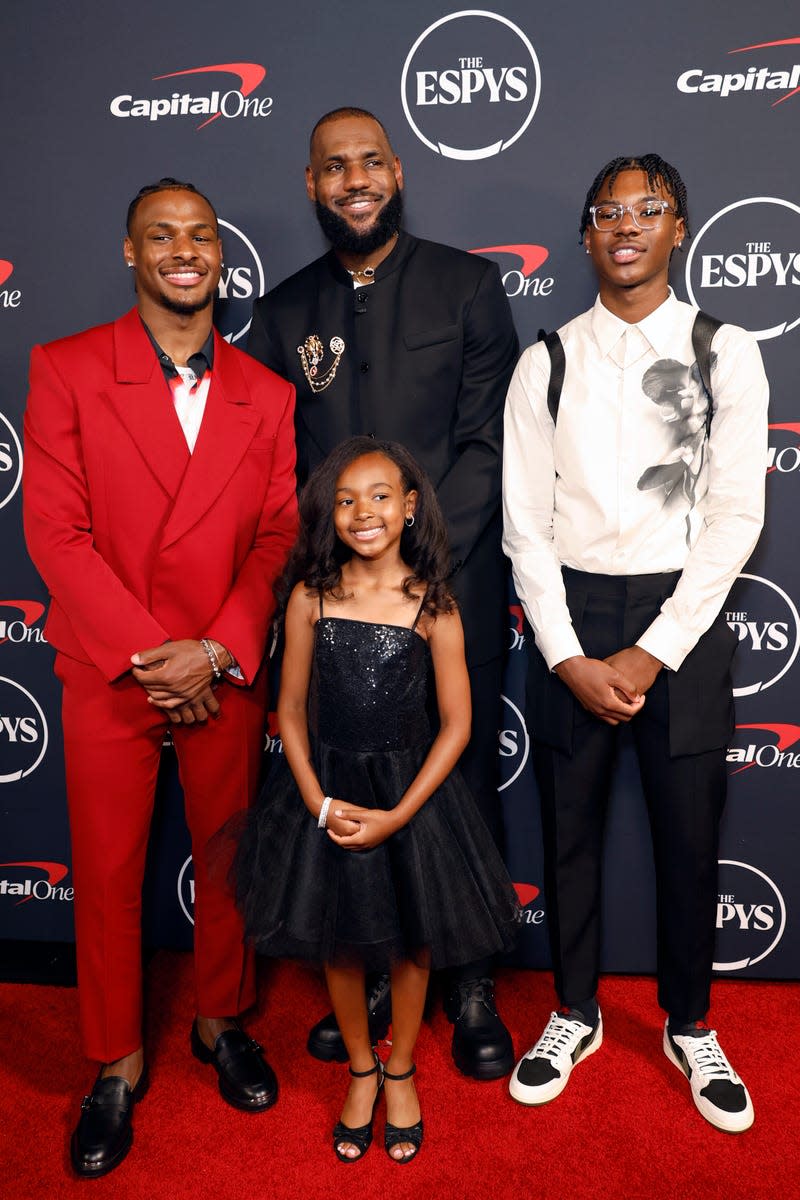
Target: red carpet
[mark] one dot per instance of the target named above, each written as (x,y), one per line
(625,1128)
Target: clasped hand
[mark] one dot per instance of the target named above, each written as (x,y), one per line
(177,677)
(612,689)
(355,828)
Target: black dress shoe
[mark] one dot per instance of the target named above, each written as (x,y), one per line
(246,1080)
(325,1040)
(104,1133)
(482,1046)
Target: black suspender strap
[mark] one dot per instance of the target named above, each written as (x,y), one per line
(558,365)
(703,332)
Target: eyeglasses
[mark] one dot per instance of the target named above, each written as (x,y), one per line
(646,214)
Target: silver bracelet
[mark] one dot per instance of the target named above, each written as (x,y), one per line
(212,658)
(322,821)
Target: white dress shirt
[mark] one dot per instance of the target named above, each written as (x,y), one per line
(626,483)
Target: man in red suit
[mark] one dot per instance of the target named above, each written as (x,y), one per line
(159,507)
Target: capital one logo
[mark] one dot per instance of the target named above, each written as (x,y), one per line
(526,894)
(519,265)
(751,916)
(10,461)
(212,103)
(744,266)
(748,79)
(186,889)
(517,626)
(514,744)
(762,745)
(17,618)
(470,84)
(242,279)
(784,448)
(765,620)
(23,732)
(9,297)
(272,741)
(27,881)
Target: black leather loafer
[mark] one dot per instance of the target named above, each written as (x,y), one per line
(246,1080)
(325,1041)
(482,1046)
(104,1133)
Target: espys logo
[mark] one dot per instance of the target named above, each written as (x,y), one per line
(784,458)
(238,284)
(186,889)
(766,622)
(759,750)
(517,280)
(10,461)
(751,916)
(24,887)
(273,743)
(9,297)
(526,894)
(16,628)
(752,79)
(23,732)
(236,102)
(744,266)
(470,85)
(514,744)
(517,626)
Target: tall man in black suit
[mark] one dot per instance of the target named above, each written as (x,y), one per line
(411,341)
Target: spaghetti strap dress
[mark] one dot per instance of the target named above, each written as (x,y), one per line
(436,887)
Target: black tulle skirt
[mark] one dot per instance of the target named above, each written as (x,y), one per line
(438,887)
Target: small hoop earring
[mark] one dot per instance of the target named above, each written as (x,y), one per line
(130,264)
(409,521)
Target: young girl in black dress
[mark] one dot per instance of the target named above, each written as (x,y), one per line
(382,861)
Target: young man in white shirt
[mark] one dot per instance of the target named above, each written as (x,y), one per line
(628,516)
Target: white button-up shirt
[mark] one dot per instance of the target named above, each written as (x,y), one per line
(627,483)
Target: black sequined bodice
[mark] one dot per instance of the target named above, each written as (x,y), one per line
(369,685)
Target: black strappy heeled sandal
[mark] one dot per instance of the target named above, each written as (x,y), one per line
(395,1134)
(361,1136)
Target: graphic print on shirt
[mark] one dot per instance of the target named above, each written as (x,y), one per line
(682,402)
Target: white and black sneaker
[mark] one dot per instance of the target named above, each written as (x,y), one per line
(718,1092)
(543,1073)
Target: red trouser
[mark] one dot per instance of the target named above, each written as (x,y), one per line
(112,746)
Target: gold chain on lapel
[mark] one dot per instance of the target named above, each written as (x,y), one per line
(311,354)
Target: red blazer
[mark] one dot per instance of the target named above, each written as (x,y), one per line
(137,540)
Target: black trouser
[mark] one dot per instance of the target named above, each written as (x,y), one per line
(680,738)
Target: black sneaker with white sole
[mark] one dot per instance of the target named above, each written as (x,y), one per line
(718,1092)
(543,1073)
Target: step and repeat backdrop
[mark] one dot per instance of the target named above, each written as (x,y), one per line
(501,117)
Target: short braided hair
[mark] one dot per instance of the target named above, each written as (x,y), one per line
(656,169)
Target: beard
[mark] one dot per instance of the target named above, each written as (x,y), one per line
(185,308)
(343,237)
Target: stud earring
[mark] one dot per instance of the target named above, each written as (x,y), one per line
(128,263)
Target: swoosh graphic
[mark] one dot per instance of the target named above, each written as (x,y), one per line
(250,76)
(526,892)
(766,46)
(532,256)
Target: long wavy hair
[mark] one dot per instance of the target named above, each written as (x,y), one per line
(318,554)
